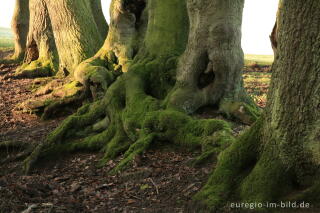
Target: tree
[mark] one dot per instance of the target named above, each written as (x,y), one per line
(210,71)
(278,158)
(132,79)
(97,13)
(62,34)
(20,25)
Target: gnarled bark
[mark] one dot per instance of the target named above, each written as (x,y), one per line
(41,57)
(210,70)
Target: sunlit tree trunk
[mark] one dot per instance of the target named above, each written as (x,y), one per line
(75,32)
(61,35)
(20,26)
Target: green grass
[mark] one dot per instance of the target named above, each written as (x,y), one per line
(261,60)
(257,85)
(6,38)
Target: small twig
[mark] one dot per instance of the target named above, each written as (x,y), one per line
(154,185)
(133,196)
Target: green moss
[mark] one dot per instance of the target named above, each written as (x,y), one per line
(231,163)
(86,115)
(37,68)
(136,149)
(244,112)
(266,181)
(172,16)
(67,90)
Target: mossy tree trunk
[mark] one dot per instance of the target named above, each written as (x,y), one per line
(20,26)
(132,79)
(279,157)
(75,31)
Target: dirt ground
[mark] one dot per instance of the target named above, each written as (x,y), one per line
(162,180)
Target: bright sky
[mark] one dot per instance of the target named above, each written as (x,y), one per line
(258,20)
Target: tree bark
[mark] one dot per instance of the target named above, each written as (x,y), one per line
(210,70)
(20,26)
(278,158)
(41,57)
(61,35)
(99,18)
(75,32)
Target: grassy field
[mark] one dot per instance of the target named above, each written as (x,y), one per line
(261,60)
(6,38)
(257,77)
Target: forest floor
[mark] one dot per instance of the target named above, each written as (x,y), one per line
(162,180)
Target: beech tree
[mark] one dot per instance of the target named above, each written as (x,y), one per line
(164,60)
(143,92)
(278,158)
(61,35)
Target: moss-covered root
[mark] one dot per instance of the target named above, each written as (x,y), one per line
(85,116)
(241,111)
(50,98)
(181,130)
(232,163)
(35,69)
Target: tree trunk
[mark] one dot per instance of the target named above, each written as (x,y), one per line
(210,70)
(63,33)
(279,157)
(41,57)
(75,32)
(20,26)
(99,18)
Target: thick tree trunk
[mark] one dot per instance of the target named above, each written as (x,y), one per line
(20,26)
(278,158)
(41,57)
(75,32)
(132,80)
(61,35)
(210,70)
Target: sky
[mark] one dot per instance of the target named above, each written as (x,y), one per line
(258,20)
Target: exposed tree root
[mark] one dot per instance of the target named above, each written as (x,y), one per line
(34,70)
(50,100)
(129,118)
